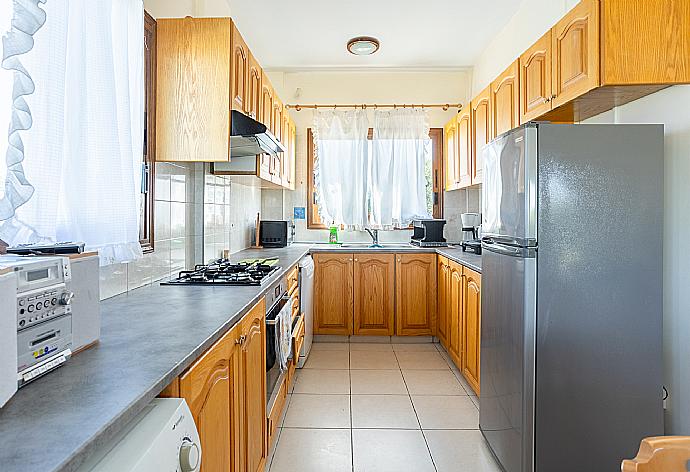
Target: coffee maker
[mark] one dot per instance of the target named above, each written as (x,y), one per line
(470,232)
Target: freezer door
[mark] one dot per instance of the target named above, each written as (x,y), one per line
(507,354)
(509,203)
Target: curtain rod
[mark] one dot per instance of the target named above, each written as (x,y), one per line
(445,107)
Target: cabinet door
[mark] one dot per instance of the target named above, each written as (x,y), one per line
(472,328)
(455,306)
(333,293)
(252,374)
(254,88)
(463,159)
(292,153)
(535,79)
(481,131)
(450,148)
(443,280)
(193,80)
(575,53)
(240,72)
(374,290)
(505,101)
(266,101)
(277,117)
(415,294)
(210,388)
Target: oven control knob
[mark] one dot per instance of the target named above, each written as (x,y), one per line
(66,298)
(189,456)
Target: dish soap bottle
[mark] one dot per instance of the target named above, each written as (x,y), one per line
(333,235)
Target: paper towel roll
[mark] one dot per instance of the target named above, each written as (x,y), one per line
(8,337)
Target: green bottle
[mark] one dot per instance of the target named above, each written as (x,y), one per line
(333,236)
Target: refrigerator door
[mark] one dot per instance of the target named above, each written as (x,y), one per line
(507,354)
(509,207)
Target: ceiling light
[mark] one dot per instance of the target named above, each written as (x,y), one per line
(363,45)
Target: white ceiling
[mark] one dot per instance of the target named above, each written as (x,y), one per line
(296,34)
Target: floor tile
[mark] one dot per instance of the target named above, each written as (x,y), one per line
(313,450)
(315,347)
(285,409)
(377,382)
(432,382)
(377,450)
(370,339)
(383,411)
(463,381)
(414,347)
(421,361)
(330,338)
(475,400)
(460,451)
(318,411)
(373,360)
(328,360)
(446,412)
(411,339)
(322,381)
(371,347)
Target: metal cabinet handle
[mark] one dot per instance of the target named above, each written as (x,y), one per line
(241,340)
(356,259)
(547,100)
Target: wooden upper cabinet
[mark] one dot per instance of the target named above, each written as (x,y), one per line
(535,79)
(450,149)
(415,294)
(254,88)
(277,118)
(374,294)
(240,72)
(481,131)
(193,89)
(463,157)
(471,328)
(267,98)
(505,101)
(575,46)
(443,281)
(333,293)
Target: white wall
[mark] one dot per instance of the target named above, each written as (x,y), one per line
(350,87)
(182,8)
(669,107)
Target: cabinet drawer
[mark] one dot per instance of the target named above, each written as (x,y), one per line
(295,308)
(297,338)
(293,279)
(274,416)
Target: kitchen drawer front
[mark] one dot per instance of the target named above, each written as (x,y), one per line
(273,420)
(293,279)
(297,338)
(295,308)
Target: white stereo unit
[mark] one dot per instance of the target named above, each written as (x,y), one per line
(8,335)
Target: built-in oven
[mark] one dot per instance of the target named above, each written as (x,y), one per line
(277,300)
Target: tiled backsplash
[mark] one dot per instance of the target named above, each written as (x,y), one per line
(456,202)
(197,215)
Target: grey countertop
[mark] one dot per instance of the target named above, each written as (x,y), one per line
(148,337)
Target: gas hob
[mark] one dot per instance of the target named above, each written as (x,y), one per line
(224,272)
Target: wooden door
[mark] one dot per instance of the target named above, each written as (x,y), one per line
(471,327)
(535,79)
(481,131)
(266,101)
(450,148)
(210,388)
(193,80)
(575,53)
(463,158)
(505,101)
(455,306)
(443,285)
(333,293)
(374,291)
(252,383)
(415,294)
(240,72)
(254,88)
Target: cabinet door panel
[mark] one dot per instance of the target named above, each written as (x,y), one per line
(481,135)
(463,159)
(333,294)
(472,328)
(450,148)
(575,53)
(415,288)
(455,341)
(443,306)
(266,101)
(505,101)
(374,294)
(535,80)
(240,72)
(254,85)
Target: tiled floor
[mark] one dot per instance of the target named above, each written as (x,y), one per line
(374,407)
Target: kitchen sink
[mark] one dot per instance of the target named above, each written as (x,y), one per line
(383,246)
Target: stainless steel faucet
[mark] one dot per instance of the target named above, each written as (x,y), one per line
(374,237)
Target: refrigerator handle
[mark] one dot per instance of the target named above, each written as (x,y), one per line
(512,251)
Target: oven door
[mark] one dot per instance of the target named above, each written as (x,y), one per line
(274,374)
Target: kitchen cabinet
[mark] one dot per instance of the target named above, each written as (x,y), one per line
(240,73)
(254,80)
(374,282)
(505,101)
(481,131)
(535,79)
(333,293)
(471,329)
(266,102)
(464,156)
(455,313)
(193,72)
(450,149)
(415,294)
(443,281)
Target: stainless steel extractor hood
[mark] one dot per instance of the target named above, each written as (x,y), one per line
(249,138)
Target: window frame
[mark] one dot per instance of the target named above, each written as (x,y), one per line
(146,232)
(436,136)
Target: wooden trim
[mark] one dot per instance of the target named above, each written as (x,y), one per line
(437,169)
(313,220)
(149,156)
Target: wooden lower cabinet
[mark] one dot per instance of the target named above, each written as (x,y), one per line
(443,281)
(374,282)
(333,293)
(415,294)
(471,327)
(455,313)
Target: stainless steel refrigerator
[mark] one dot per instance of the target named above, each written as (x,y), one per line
(571,359)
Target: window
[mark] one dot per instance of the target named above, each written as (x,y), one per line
(434,177)
(148,165)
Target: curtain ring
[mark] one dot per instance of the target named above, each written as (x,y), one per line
(335,107)
(298,108)
(364,107)
(395,107)
(376,107)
